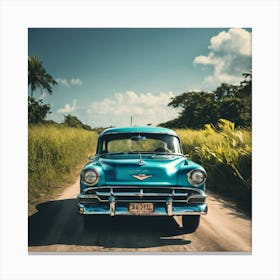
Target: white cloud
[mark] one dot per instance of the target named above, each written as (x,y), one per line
(69,83)
(76,82)
(68,108)
(230,55)
(62,82)
(201,59)
(143,107)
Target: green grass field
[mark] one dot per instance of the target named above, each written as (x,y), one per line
(56,154)
(226,154)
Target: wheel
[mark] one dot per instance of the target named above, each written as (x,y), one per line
(190,223)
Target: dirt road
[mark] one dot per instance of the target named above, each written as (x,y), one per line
(57,227)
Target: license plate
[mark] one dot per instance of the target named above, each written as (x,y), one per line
(141,208)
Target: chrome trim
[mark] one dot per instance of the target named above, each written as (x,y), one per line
(141,162)
(158,211)
(141,194)
(141,177)
(194,213)
(87,196)
(141,186)
(196,196)
(130,200)
(169,207)
(134,200)
(157,214)
(191,181)
(112,206)
(90,169)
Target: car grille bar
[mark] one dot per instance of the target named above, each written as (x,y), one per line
(136,193)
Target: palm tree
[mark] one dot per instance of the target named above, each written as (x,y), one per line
(246,84)
(38,76)
(248,74)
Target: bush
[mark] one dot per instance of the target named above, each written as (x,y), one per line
(226,154)
(37,110)
(73,121)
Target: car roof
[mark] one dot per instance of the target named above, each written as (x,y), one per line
(138,129)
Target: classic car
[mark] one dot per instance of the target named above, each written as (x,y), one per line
(142,171)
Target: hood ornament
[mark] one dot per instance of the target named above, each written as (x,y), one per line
(141,177)
(141,162)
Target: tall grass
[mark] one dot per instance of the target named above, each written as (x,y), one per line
(226,154)
(54,151)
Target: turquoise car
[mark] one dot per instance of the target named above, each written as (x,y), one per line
(142,171)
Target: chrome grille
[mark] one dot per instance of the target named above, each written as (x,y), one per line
(141,193)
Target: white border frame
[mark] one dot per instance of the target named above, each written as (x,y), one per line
(17,16)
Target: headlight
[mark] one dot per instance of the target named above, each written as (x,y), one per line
(91,177)
(197,177)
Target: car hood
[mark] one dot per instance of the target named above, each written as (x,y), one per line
(153,171)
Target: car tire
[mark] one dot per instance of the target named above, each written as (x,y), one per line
(190,223)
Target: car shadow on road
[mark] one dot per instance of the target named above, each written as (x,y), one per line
(58,222)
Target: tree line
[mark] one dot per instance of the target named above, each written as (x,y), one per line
(228,101)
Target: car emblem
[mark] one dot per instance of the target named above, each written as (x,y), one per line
(141,176)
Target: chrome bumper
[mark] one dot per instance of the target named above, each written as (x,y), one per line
(169,209)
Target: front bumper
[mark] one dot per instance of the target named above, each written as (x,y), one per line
(166,200)
(113,208)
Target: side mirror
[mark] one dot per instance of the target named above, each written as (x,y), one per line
(90,157)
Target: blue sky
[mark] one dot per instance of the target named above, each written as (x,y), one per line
(106,75)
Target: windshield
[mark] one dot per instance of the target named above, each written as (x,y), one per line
(139,143)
